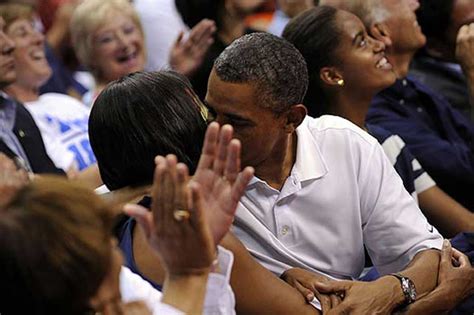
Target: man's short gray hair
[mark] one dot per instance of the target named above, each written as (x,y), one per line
(274,65)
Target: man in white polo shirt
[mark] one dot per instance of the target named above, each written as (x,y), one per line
(323,188)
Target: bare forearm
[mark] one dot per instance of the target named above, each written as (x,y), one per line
(257,290)
(185,292)
(445,213)
(423,271)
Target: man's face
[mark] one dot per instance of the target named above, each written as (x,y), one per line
(7,62)
(260,131)
(403,28)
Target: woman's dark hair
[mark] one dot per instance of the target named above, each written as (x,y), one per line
(55,248)
(140,116)
(193,11)
(315,34)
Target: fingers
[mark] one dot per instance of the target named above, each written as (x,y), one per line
(240,184)
(307,293)
(446,253)
(225,136)
(333,286)
(232,164)
(461,259)
(179,39)
(325,301)
(141,215)
(202,32)
(209,147)
(335,300)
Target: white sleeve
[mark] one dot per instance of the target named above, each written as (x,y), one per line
(394,228)
(219,295)
(220,298)
(134,288)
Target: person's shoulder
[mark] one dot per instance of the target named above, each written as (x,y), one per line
(63,101)
(335,126)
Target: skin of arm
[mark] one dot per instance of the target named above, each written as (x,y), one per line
(445,213)
(256,289)
(384,295)
(455,284)
(464,51)
(90,176)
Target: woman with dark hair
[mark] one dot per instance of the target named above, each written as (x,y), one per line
(145,114)
(347,68)
(229,16)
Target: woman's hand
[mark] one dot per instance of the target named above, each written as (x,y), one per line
(218,174)
(176,227)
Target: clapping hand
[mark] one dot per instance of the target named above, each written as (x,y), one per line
(190,217)
(186,56)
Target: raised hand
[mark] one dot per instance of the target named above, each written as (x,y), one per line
(218,174)
(186,56)
(176,227)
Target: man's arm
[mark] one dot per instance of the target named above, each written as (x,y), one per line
(445,213)
(464,53)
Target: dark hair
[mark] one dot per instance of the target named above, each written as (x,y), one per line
(434,17)
(193,11)
(274,65)
(140,116)
(316,35)
(55,248)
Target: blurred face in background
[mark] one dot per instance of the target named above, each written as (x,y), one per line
(7,63)
(31,64)
(294,7)
(244,7)
(118,48)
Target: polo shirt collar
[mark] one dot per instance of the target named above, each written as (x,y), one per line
(309,162)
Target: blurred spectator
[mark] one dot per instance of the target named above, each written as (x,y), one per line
(161,24)
(229,16)
(109,41)
(446,63)
(288,9)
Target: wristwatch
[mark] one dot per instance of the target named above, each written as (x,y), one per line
(408,288)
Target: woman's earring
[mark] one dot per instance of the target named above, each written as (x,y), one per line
(340,82)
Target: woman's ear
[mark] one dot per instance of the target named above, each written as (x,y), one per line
(331,76)
(380,32)
(295,117)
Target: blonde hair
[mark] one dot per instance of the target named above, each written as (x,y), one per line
(10,12)
(88,17)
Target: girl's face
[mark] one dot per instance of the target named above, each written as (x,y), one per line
(118,48)
(362,60)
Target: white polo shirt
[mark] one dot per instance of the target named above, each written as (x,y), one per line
(342,193)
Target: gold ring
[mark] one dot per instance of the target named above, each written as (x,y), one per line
(181,214)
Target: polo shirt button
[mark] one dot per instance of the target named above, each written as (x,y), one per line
(419,109)
(404,82)
(402,102)
(285,230)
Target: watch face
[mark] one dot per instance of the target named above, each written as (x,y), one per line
(412,290)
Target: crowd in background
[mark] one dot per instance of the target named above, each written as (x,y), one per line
(237,156)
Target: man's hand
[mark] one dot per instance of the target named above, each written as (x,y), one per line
(455,283)
(186,56)
(377,297)
(465,48)
(305,282)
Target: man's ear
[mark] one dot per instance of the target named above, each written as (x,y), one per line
(295,117)
(331,76)
(381,32)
